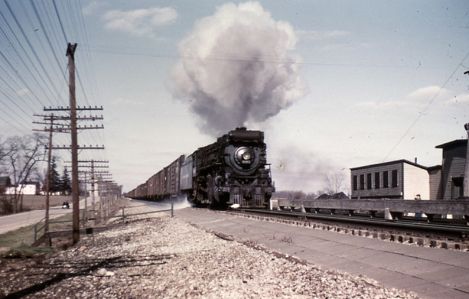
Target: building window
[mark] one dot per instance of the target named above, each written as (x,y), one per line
(377,186)
(394,179)
(362,181)
(368,181)
(355,183)
(385,179)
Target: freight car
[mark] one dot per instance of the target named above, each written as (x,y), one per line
(232,170)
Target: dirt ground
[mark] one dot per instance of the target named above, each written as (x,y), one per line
(38,202)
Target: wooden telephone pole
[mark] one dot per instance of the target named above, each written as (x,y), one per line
(73,126)
(74,144)
(57,128)
(92,172)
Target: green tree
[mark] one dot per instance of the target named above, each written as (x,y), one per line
(54,179)
(66,188)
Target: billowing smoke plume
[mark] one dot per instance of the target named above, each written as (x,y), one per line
(295,169)
(235,68)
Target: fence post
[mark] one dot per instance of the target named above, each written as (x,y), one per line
(123,215)
(172,209)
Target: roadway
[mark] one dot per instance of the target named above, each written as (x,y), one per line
(429,272)
(15,221)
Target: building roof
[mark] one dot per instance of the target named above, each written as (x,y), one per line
(434,167)
(390,163)
(457,142)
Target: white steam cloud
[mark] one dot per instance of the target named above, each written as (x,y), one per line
(236,68)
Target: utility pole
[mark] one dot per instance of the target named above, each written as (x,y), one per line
(73,126)
(53,127)
(85,209)
(49,158)
(74,147)
(92,172)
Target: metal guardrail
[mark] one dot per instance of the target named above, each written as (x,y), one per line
(36,228)
(40,225)
(123,216)
(454,207)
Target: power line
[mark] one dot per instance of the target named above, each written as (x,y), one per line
(31,48)
(290,61)
(430,102)
(7,84)
(27,56)
(19,76)
(60,20)
(13,125)
(11,100)
(47,38)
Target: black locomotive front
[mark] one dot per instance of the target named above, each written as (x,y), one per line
(233,170)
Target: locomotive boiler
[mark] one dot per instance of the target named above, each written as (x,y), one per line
(232,170)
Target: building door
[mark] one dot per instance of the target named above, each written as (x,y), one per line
(457,189)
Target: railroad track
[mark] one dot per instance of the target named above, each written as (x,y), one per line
(403,231)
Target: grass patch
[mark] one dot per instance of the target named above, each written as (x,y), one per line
(16,238)
(24,236)
(25,251)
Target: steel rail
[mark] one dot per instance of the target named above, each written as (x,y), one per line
(427,227)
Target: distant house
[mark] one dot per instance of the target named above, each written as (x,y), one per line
(452,169)
(28,188)
(5,182)
(400,179)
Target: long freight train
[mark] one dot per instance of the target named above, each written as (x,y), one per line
(232,170)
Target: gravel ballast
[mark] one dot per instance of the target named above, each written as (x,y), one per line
(163,257)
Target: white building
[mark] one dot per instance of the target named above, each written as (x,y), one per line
(399,179)
(27,188)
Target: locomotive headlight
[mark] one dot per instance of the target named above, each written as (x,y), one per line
(244,156)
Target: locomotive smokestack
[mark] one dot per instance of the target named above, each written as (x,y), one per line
(237,68)
(466,168)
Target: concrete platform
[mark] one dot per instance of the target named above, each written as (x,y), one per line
(429,272)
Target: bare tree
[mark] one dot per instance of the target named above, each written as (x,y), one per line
(5,151)
(23,156)
(335,182)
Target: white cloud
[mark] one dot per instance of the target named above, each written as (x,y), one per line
(22,92)
(378,105)
(93,7)
(125,101)
(140,21)
(426,93)
(416,98)
(321,35)
(331,40)
(459,99)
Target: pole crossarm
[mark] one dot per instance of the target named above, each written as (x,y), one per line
(78,108)
(95,172)
(85,127)
(89,161)
(63,117)
(95,166)
(66,126)
(56,130)
(79,147)
(48,123)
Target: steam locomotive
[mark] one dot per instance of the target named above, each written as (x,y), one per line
(231,171)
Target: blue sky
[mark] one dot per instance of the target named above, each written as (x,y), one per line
(380,80)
